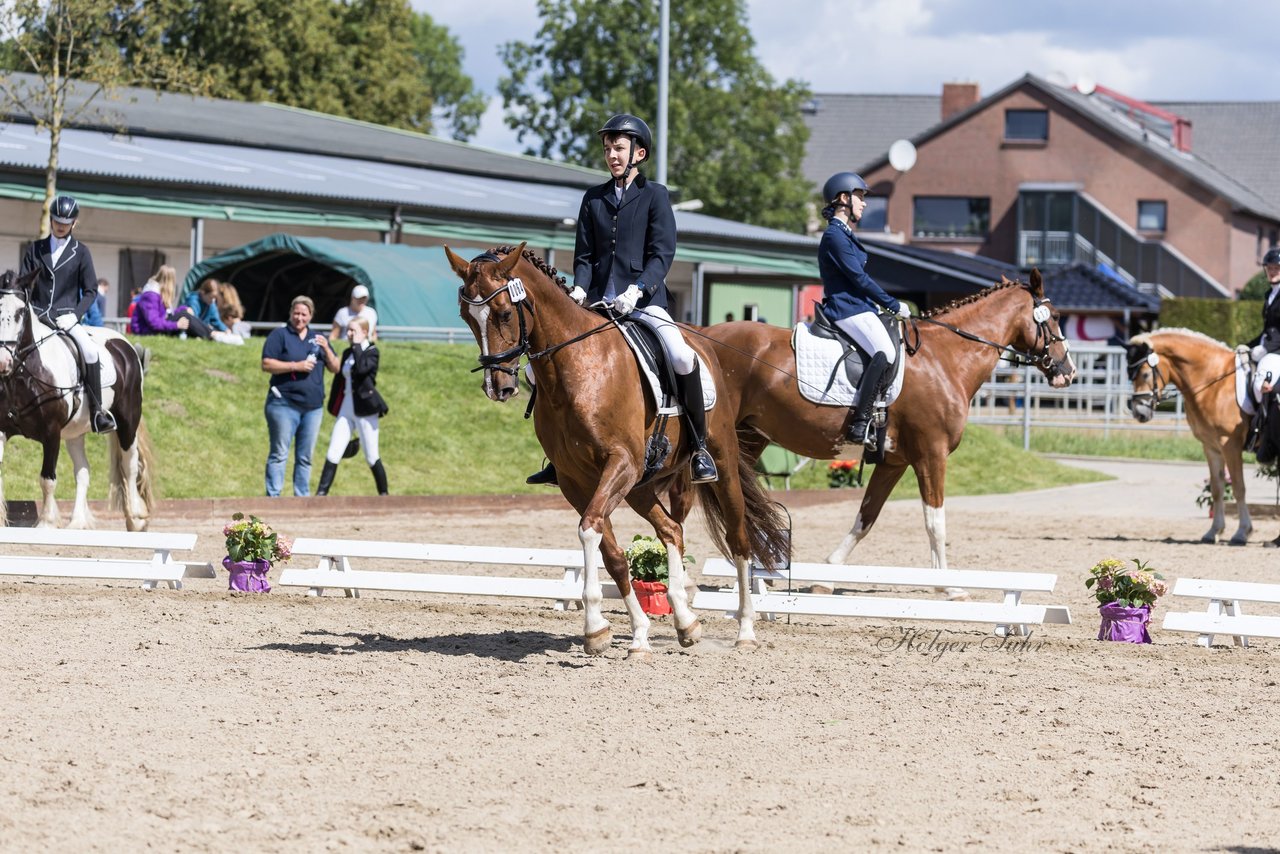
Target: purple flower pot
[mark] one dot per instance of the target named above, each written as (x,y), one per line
(248,575)
(1128,625)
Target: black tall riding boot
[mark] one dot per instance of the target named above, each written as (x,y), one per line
(326,477)
(102,421)
(868,391)
(379,476)
(690,388)
(546,477)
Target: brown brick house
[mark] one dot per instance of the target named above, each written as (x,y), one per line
(1040,174)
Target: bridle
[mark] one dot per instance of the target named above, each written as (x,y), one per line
(1038,355)
(1159,386)
(520,298)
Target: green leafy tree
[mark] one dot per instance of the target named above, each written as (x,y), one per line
(75,51)
(736,137)
(372,60)
(455,98)
(1256,288)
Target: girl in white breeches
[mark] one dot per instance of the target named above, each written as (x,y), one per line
(868,330)
(366,426)
(683,359)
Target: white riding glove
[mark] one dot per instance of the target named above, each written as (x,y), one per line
(65,321)
(904,311)
(578,295)
(626,301)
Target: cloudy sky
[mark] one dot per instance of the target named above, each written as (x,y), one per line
(1171,50)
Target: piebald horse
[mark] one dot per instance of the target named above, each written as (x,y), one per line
(1203,370)
(951,353)
(41,398)
(593,419)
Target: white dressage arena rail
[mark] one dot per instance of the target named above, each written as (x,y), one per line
(1009,615)
(159,568)
(1225,614)
(335,570)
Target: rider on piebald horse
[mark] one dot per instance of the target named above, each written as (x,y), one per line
(852,299)
(64,289)
(625,244)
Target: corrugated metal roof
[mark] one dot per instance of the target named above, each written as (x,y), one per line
(142,112)
(265,175)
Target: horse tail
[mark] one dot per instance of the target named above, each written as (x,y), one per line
(118,469)
(766,524)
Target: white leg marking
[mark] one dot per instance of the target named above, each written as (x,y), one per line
(639,625)
(851,539)
(80,465)
(48,506)
(592,596)
(676,592)
(746,608)
(935,523)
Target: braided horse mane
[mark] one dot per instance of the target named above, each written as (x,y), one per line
(972,298)
(537,261)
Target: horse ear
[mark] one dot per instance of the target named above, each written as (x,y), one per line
(459,266)
(509,263)
(1037,283)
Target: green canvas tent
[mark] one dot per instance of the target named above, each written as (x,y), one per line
(408,285)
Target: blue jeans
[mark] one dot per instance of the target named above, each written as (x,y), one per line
(287,424)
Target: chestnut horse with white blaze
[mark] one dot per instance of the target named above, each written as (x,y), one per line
(1203,370)
(951,353)
(594,419)
(41,398)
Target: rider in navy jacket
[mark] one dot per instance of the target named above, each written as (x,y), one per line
(852,299)
(65,288)
(626,243)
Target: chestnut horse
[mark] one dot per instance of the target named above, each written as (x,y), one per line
(593,419)
(952,352)
(1203,370)
(41,398)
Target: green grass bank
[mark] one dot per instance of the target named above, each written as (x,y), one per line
(203,405)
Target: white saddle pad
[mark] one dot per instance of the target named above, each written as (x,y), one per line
(817,359)
(654,386)
(1243,399)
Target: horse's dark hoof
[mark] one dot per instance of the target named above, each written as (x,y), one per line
(1208,539)
(1272,544)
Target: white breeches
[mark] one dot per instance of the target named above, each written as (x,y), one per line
(683,359)
(1266,371)
(869,332)
(365,425)
(86,344)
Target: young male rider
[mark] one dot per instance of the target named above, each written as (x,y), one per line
(64,290)
(851,297)
(625,244)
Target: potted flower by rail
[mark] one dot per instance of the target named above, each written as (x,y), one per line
(647,561)
(1127,597)
(252,548)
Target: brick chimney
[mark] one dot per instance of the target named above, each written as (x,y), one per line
(958,97)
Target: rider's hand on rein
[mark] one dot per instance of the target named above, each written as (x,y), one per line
(626,301)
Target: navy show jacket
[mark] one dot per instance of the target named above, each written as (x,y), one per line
(848,290)
(631,244)
(69,287)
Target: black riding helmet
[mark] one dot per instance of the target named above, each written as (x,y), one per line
(632,126)
(64,210)
(841,182)
(1272,256)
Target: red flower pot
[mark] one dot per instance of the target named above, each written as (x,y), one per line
(652,596)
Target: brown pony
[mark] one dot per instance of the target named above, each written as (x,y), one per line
(594,420)
(953,351)
(1202,369)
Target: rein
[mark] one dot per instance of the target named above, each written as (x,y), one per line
(1040,357)
(44,390)
(1153,398)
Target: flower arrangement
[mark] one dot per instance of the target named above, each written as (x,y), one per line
(1138,587)
(647,559)
(252,539)
(1205,498)
(841,473)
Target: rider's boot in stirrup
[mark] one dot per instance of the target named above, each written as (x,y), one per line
(702,467)
(101,420)
(546,477)
(868,391)
(327,474)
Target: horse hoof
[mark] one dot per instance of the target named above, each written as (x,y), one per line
(597,643)
(822,589)
(956,594)
(747,645)
(1208,539)
(1238,541)
(691,634)
(639,654)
